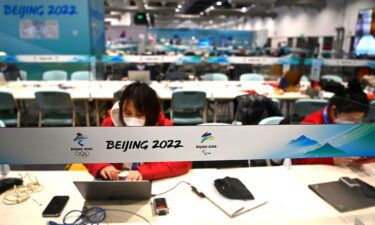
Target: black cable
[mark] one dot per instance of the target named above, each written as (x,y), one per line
(172,188)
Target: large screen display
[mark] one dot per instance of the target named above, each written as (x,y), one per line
(364,44)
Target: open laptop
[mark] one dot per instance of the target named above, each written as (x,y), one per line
(114,190)
(139,75)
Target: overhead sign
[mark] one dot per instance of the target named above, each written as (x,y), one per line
(190,143)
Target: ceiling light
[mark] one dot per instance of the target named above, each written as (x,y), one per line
(202,13)
(212,7)
(219,3)
(243,9)
(177,10)
(179,6)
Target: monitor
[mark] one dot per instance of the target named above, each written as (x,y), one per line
(364,42)
(114,190)
(139,75)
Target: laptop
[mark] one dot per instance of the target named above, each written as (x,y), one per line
(114,190)
(139,75)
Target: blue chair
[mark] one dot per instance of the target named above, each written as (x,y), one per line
(55,75)
(304,79)
(187,107)
(55,108)
(215,77)
(251,77)
(82,75)
(9,111)
(332,77)
(305,107)
(370,116)
(274,120)
(23,75)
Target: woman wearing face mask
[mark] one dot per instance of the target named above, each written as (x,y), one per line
(347,106)
(138,106)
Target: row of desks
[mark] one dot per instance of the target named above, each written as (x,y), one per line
(290,201)
(103,90)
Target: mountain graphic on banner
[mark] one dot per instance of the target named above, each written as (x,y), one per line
(325,150)
(302,141)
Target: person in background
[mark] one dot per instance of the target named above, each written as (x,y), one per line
(139,105)
(141,67)
(10,71)
(347,106)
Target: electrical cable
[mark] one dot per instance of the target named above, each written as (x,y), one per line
(21,193)
(173,188)
(93,215)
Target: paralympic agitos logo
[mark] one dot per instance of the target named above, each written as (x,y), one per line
(81,151)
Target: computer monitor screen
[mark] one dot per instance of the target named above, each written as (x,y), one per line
(204,43)
(364,43)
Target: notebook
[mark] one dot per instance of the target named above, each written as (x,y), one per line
(229,206)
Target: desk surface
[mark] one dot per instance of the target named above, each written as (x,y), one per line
(289,199)
(103,90)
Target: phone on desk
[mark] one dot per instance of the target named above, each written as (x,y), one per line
(55,206)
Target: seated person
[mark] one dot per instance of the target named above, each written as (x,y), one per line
(347,106)
(139,105)
(10,71)
(141,67)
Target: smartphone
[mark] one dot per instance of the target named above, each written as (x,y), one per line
(55,206)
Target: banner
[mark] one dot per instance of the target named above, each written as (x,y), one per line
(52,27)
(187,143)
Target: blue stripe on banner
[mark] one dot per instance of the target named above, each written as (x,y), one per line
(185,143)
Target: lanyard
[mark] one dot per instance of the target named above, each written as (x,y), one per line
(325,115)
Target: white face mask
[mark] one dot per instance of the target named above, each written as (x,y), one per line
(341,121)
(134,122)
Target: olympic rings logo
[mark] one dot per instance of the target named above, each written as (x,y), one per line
(83,154)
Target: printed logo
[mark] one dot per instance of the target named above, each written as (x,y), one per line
(80,138)
(206,149)
(82,151)
(207,136)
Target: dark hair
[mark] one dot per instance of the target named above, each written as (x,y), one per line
(145,101)
(351,99)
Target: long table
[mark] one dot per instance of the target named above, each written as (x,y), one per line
(290,201)
(103,91)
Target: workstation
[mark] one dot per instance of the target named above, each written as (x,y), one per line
(230,93)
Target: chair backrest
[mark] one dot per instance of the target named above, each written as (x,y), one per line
(332,77)
(23,75)
(251,77)
(304,107)
(117,95)
(370,117)
(176,76)
(273,120)
(304,79)
(55,75)
(215,77)
(185,100)
(53,100)
(7,101)
(81,75)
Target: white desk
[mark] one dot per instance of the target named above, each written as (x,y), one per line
(104,90)
(290,201)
